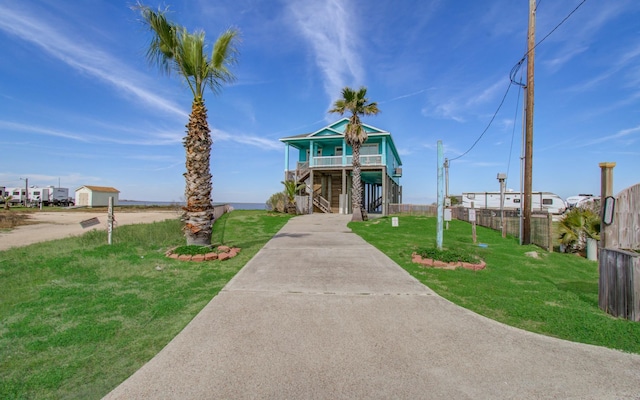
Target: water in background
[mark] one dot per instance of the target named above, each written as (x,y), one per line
(236,206)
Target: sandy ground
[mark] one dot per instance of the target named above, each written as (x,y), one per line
(57,225)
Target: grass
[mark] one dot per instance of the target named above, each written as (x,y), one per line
(556,294)
(80,316)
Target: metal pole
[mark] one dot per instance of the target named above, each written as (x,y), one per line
(110,220)
(502,178)
(440,195)
(528,152)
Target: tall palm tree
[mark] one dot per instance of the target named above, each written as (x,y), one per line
(357,104)
(174,49)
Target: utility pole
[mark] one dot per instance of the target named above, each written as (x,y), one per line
(528,151)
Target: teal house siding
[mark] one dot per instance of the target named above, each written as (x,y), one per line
(324,166)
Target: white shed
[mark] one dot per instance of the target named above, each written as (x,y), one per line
(96,196)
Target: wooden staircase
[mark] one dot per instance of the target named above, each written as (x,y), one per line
(321,202)
(376,203)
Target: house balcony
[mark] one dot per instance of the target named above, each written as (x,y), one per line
(343,161)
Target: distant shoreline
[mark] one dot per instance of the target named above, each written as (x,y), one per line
(236,206)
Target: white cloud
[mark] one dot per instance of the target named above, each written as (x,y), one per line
(83,57)
(255,141)
(622,134)
(331,29)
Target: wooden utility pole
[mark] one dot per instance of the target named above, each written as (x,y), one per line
(528,149)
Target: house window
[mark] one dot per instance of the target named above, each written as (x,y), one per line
(369,149)
(516,200)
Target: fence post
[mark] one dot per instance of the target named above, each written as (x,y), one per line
(606,189)
(550,233)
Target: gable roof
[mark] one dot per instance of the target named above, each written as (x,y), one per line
(99,188)
(336,129)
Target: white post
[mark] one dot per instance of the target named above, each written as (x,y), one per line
(439,232)
(110,220)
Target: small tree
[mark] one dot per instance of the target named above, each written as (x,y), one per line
(290,191)
(7,201)
(578,225)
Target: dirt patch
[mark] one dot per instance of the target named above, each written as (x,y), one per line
(47,225)
(10,220)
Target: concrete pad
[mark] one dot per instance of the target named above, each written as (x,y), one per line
(344,321)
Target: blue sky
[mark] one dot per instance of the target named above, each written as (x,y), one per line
(80,105)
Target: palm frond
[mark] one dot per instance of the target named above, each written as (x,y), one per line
(173,48)
(164,40)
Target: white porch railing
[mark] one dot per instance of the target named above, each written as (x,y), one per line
(336,161)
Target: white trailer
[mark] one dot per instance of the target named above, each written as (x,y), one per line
(581,200)
(540,201)
(38,195)
(18,195)
(50,195)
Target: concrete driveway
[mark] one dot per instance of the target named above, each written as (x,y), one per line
(320,314)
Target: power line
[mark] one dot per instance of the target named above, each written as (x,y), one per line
(557,26)
(489,125)
(512,74)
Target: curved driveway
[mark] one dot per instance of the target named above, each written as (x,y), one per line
(320,314)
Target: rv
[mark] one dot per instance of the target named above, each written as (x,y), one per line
(581,200)
(540,201)
(18,195)
(50,195)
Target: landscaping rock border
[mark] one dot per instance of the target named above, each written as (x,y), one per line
(220,253)
(428,262)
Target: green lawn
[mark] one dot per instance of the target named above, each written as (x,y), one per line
(80,316)
(556,295)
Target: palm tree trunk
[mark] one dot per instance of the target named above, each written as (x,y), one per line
(359,213)
(198,212)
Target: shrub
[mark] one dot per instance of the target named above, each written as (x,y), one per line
(448,255)
(277,202)
(578,225)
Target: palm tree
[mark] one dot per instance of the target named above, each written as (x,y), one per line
(290,191)
(174,49)
(357,104)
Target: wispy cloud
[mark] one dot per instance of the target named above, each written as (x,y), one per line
(331,29)
(81,56)
(250,140)
(158,138)
(466,101)
(618,64)
(18,127)
(404,96)
(625,134)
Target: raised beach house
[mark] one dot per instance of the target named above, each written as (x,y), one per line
(324,165)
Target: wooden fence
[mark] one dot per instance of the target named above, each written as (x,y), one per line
(619,263)
(624,232)
(619,283)
(541,223)
(414,209)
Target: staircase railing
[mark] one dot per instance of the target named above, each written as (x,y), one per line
(320,202)
(376,203)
